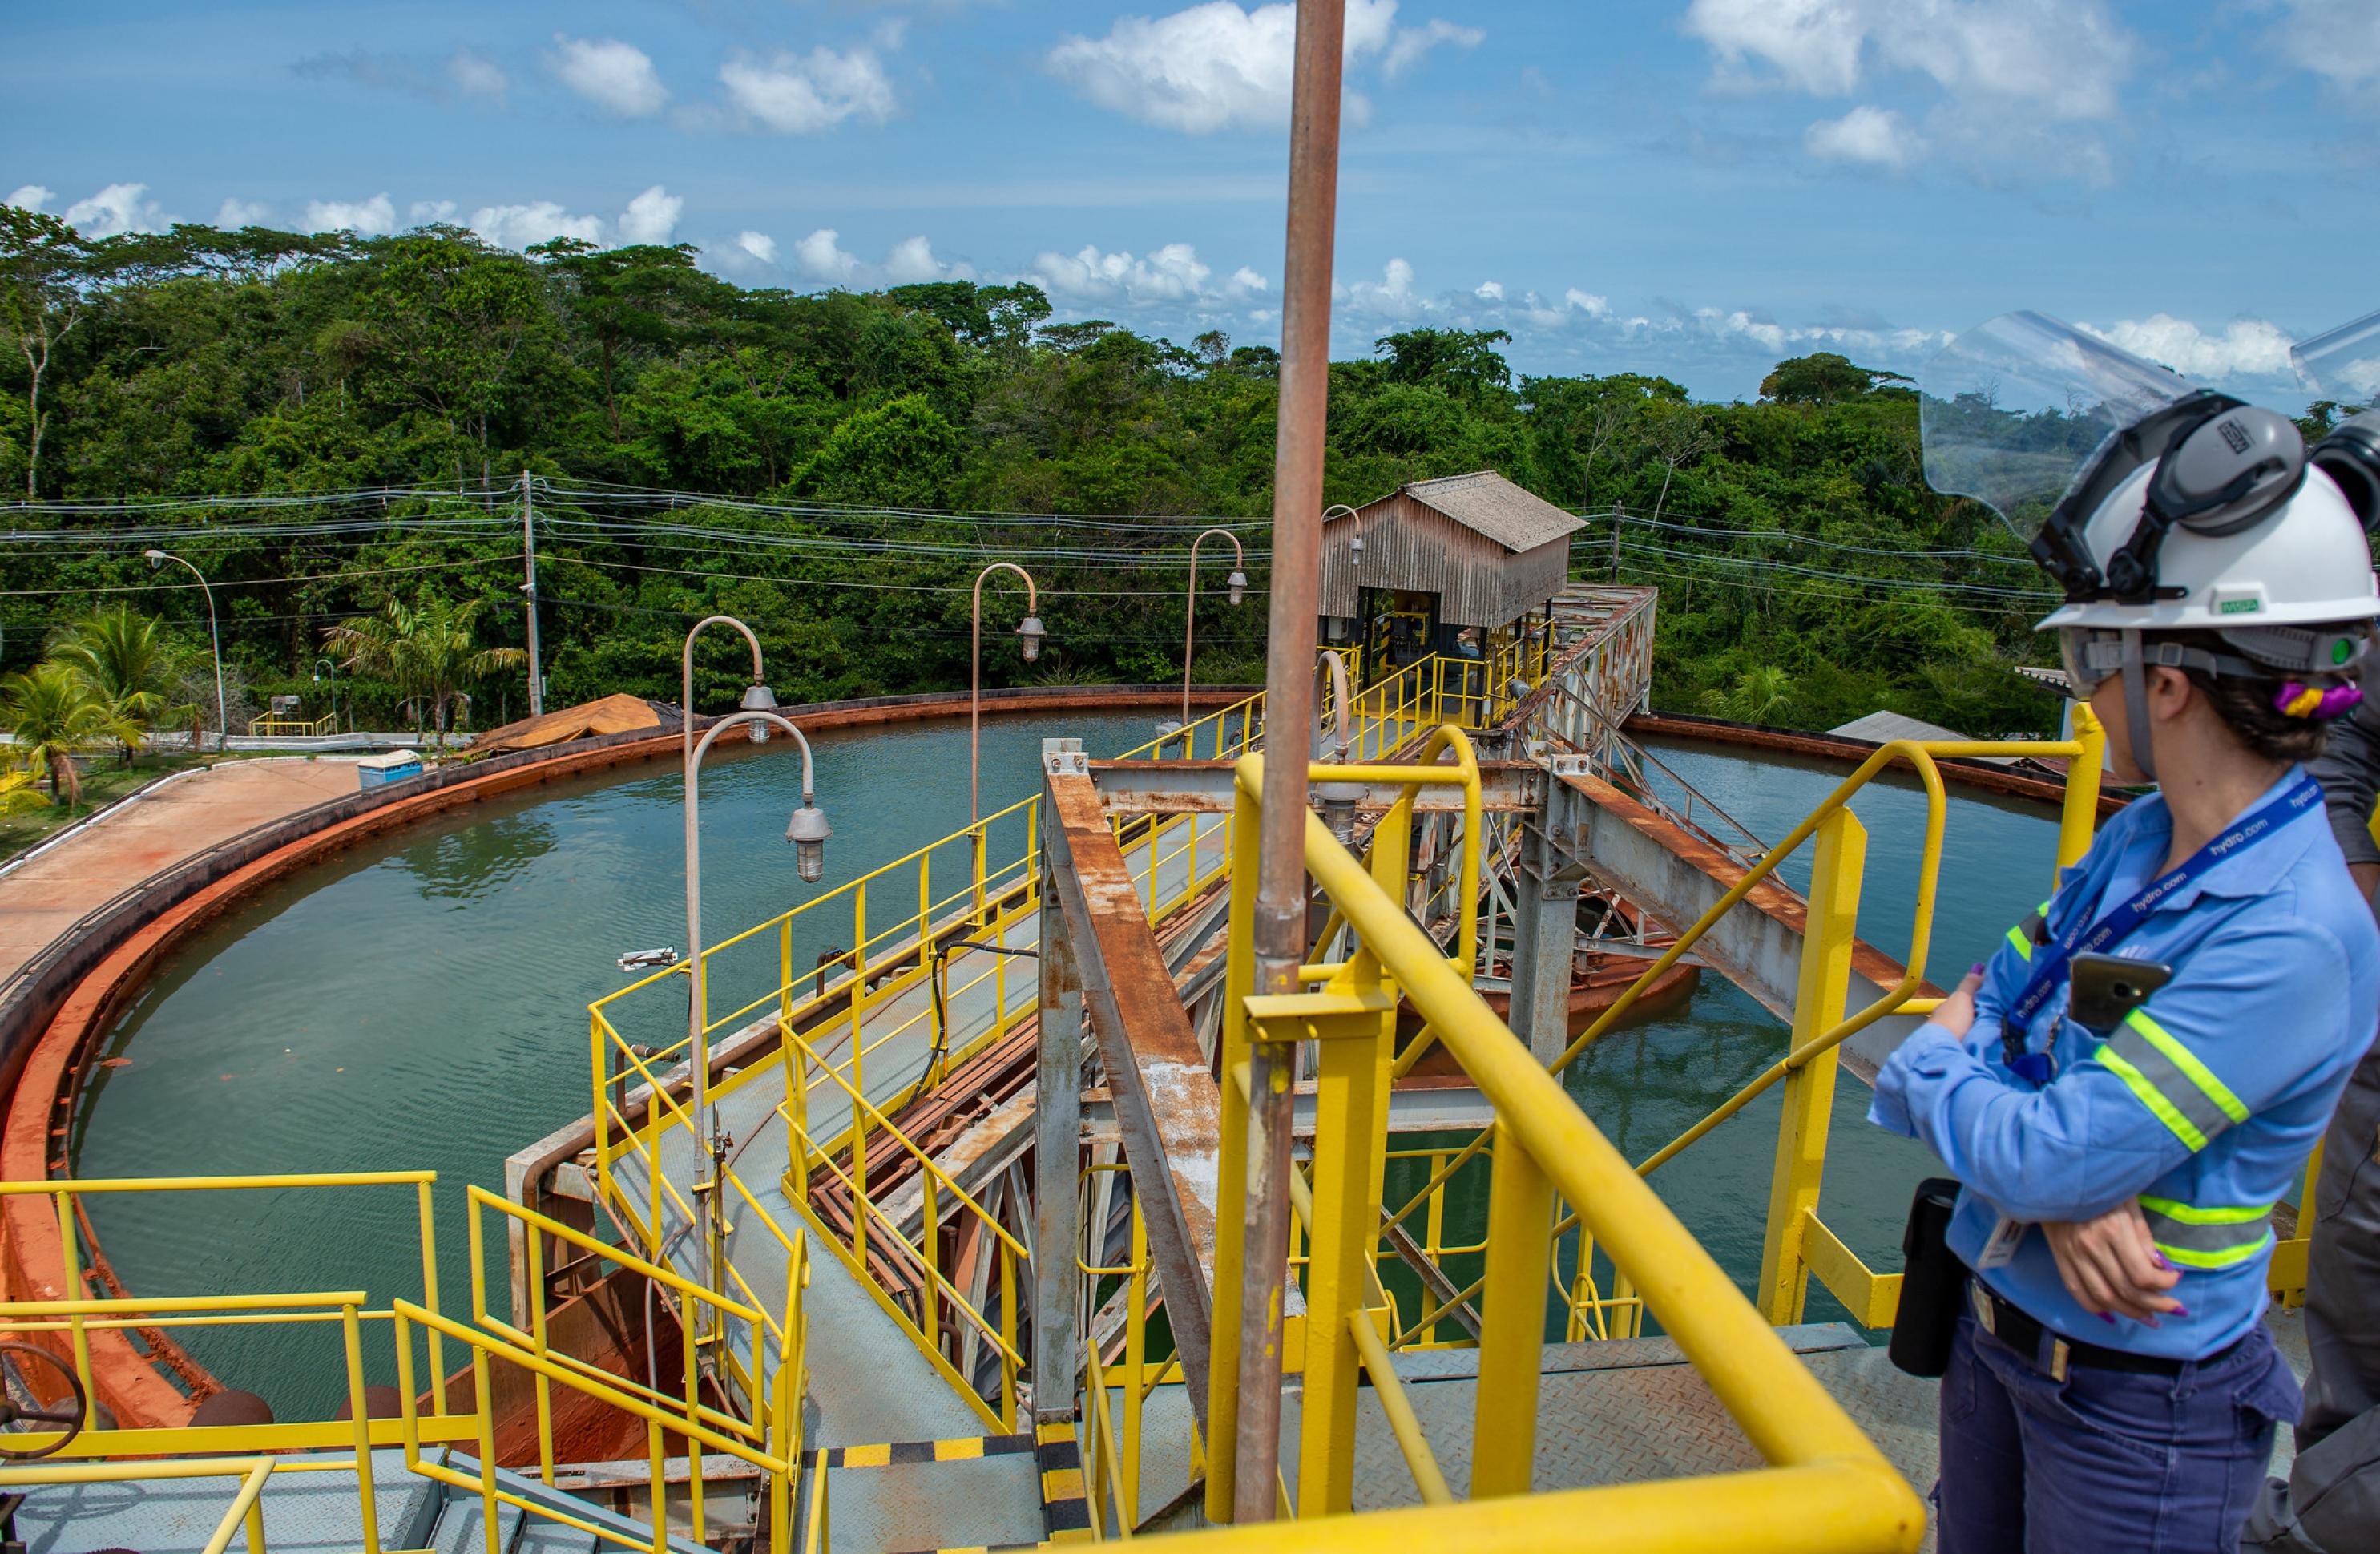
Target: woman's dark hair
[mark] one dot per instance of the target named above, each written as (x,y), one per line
(2245,704)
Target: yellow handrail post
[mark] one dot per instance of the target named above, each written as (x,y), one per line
(352,1331)
(2082,809)
(1836,868)
(424,1213)
(252,1490)
(785,968)
(1007,1335)
(537,1334)
(1350,1126)
(1512,1318)
(932,1248)
(70,1257)
(653,1459)
(1136,1359)
(1224,1324)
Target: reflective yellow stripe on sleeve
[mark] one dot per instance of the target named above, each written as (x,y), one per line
(2207,1238)
(2167,1078)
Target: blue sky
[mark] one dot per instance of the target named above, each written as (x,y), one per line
(1688,187)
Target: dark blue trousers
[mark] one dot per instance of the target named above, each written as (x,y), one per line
(2106,1462)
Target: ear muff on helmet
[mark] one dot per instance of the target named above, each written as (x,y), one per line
(2222,466)
(2351,456)
(2219,477)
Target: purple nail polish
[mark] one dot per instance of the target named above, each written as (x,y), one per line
(1976,970)
(2182,1311)
(2167,1266)
(2108,1317)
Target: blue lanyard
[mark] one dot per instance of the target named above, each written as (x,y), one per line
(2246,832)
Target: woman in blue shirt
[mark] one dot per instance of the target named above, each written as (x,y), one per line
(2219,599)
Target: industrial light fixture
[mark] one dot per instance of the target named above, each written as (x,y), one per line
(1238,583)
(809,832)
(759,698)
(1030,633)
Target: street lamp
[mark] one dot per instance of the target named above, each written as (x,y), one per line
(215,635)
(333,665)
(807,832)
(1238,584)
(1030,634)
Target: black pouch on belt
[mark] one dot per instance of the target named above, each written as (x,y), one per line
(1932,1282)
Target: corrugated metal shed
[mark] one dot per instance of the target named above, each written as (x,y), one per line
(1882,728)
(1490,550)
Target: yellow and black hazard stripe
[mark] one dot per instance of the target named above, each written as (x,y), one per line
(898,1453)
(1065,1510)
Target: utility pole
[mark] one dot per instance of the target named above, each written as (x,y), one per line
(1617,513)
(529,595)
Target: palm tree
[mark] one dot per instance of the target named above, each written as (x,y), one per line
(51,711)
(426,649)
(1761,694)
(125,659)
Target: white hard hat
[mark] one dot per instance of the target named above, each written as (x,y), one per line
(2305,564)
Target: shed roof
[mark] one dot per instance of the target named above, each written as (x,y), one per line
(1489,503)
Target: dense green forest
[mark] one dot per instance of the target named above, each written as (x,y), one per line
(375,403)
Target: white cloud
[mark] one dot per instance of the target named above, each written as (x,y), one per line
(520,226)
(116,209)
(424,211)
(1878,136)
(821,258)
(760,245)
(1172,275)
(2249,347)
(375,217)
(233,215)
(1391,297)
(616,77)
(1489,291)
(31,197)
(2339,40)
(651,216)
(2007,74)
(801,94)
(1413,43)
(912,260)
(475,75)
(1217,65)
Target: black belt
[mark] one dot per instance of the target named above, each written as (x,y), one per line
(2026,1335)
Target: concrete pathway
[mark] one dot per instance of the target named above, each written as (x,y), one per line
(186,814)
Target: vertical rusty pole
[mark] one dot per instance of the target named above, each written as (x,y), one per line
(1280,926)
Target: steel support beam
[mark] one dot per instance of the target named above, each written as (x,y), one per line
(1676,876)
(1203,787)
(1058,1122)
(1544,921)
(1167,1104)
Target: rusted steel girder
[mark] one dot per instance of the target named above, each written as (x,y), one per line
(1676,876)
(1167,1104)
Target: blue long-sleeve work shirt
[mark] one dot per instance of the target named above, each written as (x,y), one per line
(2203,1104)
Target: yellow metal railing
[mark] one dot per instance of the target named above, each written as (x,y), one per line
(769,1441)
(941,1202)
(67,1193)
(1827,1482)
(1797,1242)
(327,723)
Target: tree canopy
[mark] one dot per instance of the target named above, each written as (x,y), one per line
(833,435)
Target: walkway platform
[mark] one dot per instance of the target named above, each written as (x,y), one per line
(51,890)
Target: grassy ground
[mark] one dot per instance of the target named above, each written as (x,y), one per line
(103,782)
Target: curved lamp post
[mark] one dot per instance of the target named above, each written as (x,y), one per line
(807,832)
(1030,634)
(1355,555)
(1238,584)
(333,665)
(215,635)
